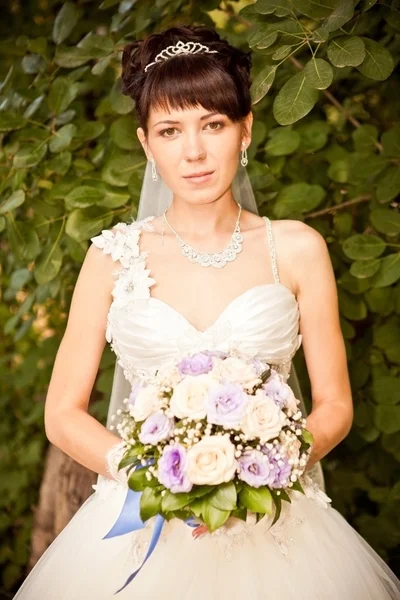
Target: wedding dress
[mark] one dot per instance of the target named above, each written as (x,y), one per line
(311,553)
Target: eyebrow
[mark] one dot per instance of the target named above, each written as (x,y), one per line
(170,122)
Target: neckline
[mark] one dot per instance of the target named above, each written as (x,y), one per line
(203,332)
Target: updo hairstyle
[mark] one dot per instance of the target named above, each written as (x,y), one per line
(218,82)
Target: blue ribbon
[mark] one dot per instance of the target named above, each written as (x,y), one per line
(129,520)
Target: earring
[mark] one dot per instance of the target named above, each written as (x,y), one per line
(244,160)
(154,175)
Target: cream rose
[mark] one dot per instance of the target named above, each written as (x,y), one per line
(147,401)
(211,461)
(263,419)
(236,370)
(189,397)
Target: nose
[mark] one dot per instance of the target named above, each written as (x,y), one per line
(194,149)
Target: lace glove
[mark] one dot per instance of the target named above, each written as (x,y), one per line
(113,458)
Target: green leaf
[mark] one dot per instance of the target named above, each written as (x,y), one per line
(96,46)
(262,39)
(118,170)
(10,121)
(378,63)
(62,138)
(12,202)
(294,100)
(224,497)
(307,436)
(62,93)
(70,58)
(341,14)
(214,518)
(114,199)
(262,83)
(365,138)
(137,480)
(65,22)
(314,135)
(266,7)
(282,52)
(89,130)
(346,51)
(339,171)
(318,73)
(352,307)
(387,418)
(389,185)
(386,221)
(363,246)
(83,196)
(82,226)
(365,268)
(387,338)
(386,389)
(49,263)
(29,156)
(315,9)
(390,142)
(298,198)
(123,134)
(171,502)
(150,503)
(60,163)
(389,271)
(256,499)
(283,141)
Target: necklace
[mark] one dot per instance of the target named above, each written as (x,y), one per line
(213,259)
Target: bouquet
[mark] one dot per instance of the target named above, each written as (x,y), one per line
(214,436)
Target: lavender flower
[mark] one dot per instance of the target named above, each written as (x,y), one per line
(172,469)
(155,428)
(280,469)
(255,468)
(279,392)
(133,395)
(196,365)
(226,404)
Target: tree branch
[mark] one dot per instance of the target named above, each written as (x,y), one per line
(333,209)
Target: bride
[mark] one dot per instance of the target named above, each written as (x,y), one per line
(144,288)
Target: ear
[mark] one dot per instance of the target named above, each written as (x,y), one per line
(142,139)
(247,125)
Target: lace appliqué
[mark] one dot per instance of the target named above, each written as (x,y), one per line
(133,279)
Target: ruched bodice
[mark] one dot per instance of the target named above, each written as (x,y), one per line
(146,333)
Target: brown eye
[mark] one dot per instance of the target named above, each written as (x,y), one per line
(164,131)
(218,124)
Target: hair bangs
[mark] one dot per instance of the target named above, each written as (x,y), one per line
(179,84)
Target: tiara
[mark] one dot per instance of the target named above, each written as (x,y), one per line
(180,48)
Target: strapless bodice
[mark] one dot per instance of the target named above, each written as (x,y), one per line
(146,333)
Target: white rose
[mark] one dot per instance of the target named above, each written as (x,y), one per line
(263,419)
(211,461)
(147,401)
(189,397)
(236,370)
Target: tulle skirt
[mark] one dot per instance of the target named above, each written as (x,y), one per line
(311,553)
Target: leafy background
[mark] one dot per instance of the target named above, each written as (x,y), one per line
(325,149)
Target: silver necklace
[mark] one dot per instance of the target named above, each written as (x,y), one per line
(213,259)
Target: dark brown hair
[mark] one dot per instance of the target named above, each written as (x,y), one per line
(218,82)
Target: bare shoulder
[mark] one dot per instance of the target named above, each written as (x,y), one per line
(296,238)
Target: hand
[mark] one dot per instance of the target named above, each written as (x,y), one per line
(200,530)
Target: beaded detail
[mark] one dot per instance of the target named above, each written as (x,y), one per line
(272,250)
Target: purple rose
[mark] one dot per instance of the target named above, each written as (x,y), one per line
(226,404)
(133,395)
(259,366)
(255,468)
(196,365)
(155,428)
(278,391)
(280,469)
(172,469)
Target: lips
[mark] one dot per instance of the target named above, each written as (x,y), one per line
(198,174)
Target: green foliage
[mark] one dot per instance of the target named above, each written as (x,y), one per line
(326,150)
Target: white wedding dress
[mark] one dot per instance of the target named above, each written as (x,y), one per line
(311,553)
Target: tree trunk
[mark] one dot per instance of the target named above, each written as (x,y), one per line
(65,486)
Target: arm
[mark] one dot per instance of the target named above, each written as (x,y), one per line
(67,422)
(332,408)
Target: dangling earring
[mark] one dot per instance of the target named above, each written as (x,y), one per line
(244,160)
(154,175)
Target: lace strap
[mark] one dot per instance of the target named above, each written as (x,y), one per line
(272,251)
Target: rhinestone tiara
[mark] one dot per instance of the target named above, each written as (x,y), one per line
(180,48)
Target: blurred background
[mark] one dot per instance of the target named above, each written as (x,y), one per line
(325,149)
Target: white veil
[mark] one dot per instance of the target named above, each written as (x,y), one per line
(155,197)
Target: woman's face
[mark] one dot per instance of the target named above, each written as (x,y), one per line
(193,141)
